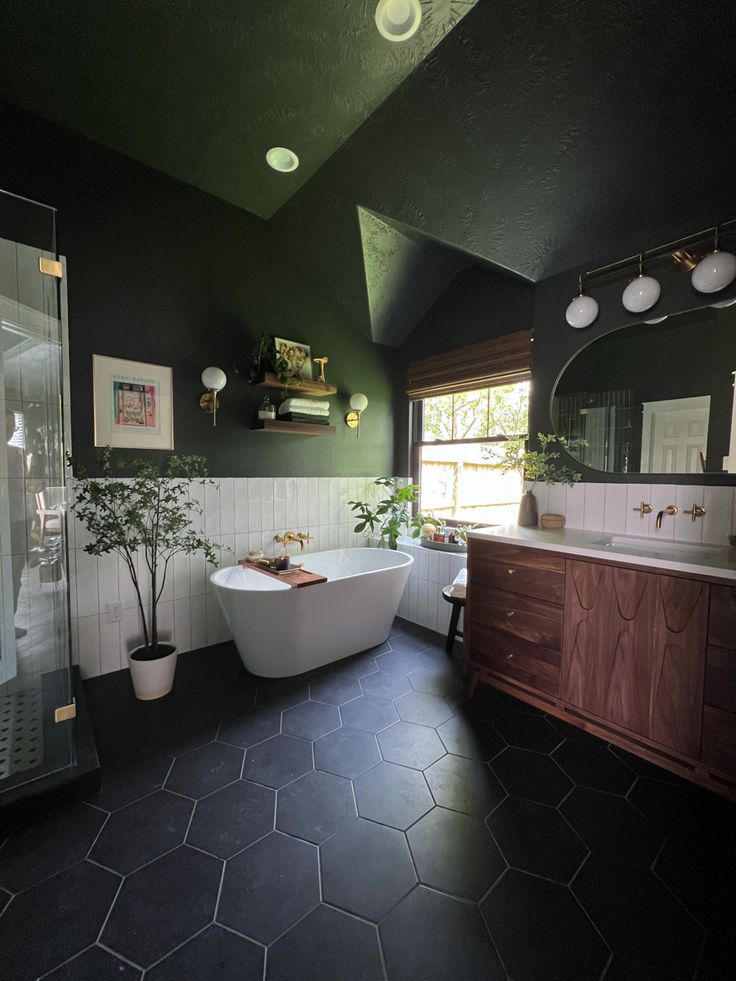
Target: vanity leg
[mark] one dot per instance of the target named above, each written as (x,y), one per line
(472,684)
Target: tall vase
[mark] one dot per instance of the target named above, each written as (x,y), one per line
(528,515)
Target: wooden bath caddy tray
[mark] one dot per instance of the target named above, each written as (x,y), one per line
(293,577)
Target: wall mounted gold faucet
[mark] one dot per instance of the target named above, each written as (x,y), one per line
(292,537)
(671,509)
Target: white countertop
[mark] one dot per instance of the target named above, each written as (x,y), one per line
(689,557)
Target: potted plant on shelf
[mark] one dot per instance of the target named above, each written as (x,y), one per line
(146,520)
(266,357)
(535,465)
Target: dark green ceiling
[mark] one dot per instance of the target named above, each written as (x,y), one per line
(201,89)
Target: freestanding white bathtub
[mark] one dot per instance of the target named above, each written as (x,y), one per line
(280,631)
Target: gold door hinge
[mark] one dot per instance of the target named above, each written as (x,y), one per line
(65,712)
(50,267)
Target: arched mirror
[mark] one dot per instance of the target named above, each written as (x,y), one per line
(653,397)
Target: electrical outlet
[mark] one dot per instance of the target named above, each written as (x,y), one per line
(114,612)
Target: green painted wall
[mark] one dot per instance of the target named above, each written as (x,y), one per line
(161,272)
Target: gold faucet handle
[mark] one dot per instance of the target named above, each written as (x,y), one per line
(643,509)
(696,511)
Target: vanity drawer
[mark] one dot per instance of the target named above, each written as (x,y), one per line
(524,617)
(518,570)
(517,659)
(722,617)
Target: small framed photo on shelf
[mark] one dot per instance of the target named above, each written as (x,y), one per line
(298,355)
(133,404)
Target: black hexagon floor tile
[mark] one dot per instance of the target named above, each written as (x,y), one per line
(95,964)
(569,731)
(410,745)
(181,734)
(528,731)
(315,806)
(423,708)
(483,706)
(639,917)
(278,761)
(592,765)
(125,782)
(5,898)
(619,970)
(644,768)
(215,953)
(464,785)
(685,810)
(357,667)
(516,704)
(269,887)
(541,931)
(536,838)
(203,770)
(407,641)
(455,853)
(701,874)
(386,685)
(369,713)
(282,694)
(142,926)
(232,818)
(48,846)
(415,935)
(366,869)
(398,662)
(326,946)
(310,720)
(249,727)
(346,752)
(533,776)
(392,795)
(142,831)
(54,920)
(469,737)
(610,825)
(335,689)
(438,679)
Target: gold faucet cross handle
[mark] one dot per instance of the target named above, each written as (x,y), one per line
(696,511)
(643,509)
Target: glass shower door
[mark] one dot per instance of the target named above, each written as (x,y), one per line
(35,662)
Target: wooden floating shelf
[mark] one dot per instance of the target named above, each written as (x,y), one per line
(270,380)
(295,428)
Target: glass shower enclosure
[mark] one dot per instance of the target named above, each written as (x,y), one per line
(36,691)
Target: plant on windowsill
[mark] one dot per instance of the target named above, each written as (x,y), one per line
(389,518)
(537,465)
(147,521)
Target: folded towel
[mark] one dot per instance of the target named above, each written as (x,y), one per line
(302,410)
(299,404)
(297,417)
(460,584)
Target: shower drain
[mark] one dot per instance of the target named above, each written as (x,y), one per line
(21,732)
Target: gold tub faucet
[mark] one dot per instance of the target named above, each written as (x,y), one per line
(292,537)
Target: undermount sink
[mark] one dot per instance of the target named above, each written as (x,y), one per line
(684,551)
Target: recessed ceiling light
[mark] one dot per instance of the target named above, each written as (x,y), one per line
(282,159)
(398,20)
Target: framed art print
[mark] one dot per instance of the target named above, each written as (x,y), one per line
(133,404)
(298,355)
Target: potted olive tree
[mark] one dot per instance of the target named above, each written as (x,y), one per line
(146,520)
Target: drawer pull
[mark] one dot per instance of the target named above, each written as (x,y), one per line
(511,571)
(509,613)
(509,656)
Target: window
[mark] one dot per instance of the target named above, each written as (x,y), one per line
(458,443)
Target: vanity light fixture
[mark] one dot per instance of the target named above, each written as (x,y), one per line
(582,310)
(214,380)
(709,274)
(282,159)
(398,20)
(358,405)
(715,271)
(642,292)
(724,303)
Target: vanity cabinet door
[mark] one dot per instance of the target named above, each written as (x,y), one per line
(608,626)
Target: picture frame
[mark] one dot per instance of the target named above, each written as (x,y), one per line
(133,404)
(299,356)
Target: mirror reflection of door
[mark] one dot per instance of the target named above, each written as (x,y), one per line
(675,435)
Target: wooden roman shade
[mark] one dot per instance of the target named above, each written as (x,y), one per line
(502,361)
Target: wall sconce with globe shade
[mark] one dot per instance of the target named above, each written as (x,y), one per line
(214,380)
(358,405)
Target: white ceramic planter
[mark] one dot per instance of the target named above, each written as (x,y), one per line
(152,679)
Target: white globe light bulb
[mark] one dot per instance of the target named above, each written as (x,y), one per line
(641,294)
(714,272)
(214,379)
(358,402)
(582,311)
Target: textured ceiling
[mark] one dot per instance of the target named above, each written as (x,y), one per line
(200,90)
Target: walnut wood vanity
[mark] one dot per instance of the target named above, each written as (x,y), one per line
(644,657)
